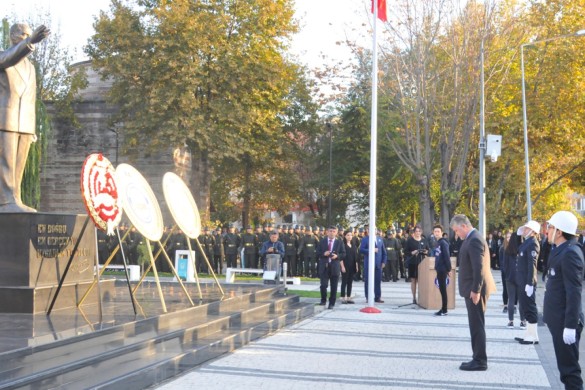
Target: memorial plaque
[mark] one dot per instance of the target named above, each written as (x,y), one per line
(35,250)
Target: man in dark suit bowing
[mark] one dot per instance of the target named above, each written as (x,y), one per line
(476,283)
(330,251)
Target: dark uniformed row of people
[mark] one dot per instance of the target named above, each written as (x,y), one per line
(231,249)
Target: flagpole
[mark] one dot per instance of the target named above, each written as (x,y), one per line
(373,170)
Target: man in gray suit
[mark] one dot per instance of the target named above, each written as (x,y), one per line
(17,113)
(476,283)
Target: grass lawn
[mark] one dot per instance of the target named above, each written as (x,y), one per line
(203,275)
(306,294)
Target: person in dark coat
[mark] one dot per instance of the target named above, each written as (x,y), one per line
(291,243)
(393,247)
(306,252)
(476,283)
(218,251)
(501,260)
(442,266)
(493,245)
(526,277)
(349,266)
(401,256)
(249,243)
(330,253)
(273,246)
(509,265)
(231,243)
(206,242)
(415,251)
(562,310)
(545,248)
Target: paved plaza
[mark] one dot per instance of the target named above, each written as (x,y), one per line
(404,347)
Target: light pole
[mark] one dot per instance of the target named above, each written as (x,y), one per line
(524,117)
(482,149)
(329,127)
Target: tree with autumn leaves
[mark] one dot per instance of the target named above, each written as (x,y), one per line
(215,76)
(429,98)
(212,75)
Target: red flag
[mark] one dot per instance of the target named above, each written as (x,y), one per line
(381,10)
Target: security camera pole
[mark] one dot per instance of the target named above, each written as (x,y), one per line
(482,149)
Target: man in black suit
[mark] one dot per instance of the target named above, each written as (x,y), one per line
(476,283)
(330,251)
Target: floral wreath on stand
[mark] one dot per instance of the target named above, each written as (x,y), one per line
(100,193)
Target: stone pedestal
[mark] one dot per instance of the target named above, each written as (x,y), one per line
(34,251)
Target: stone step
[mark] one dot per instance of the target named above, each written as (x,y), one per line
(61,352)
(210,348)
(150,350)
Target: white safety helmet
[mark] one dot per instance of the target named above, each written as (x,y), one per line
(532,225)
(565,221)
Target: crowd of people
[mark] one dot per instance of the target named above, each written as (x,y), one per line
(226,247)
(555,248)
(561,250)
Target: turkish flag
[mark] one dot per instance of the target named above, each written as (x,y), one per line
(381,10)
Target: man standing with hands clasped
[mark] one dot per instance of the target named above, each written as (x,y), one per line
(476,283)
(562,310)
(330,251)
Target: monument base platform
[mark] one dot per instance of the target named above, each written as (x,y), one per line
(115,348)
(37,300)
(39,250)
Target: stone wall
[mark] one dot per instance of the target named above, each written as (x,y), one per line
(68,147)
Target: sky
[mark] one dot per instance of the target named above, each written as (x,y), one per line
(323,23)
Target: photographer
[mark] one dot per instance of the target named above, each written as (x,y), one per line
(415,251)
(272,247)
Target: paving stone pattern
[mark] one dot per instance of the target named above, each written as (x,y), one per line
(404,347)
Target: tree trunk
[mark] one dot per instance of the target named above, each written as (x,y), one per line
(426,205)
(201,182)
(247,192)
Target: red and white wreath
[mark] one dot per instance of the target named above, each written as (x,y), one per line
(100,193)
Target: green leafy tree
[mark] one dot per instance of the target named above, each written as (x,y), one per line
(350,127)
(209,74)
(267,179)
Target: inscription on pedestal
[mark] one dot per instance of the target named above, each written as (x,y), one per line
(57,240)
(37,247)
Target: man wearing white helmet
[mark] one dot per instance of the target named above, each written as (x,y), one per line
(562,302)
(526,276)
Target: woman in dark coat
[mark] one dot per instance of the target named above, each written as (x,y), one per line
(349,266)
(415,251)
(509,266)
(502,260)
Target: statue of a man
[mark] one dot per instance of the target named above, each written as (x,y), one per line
(17,113)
